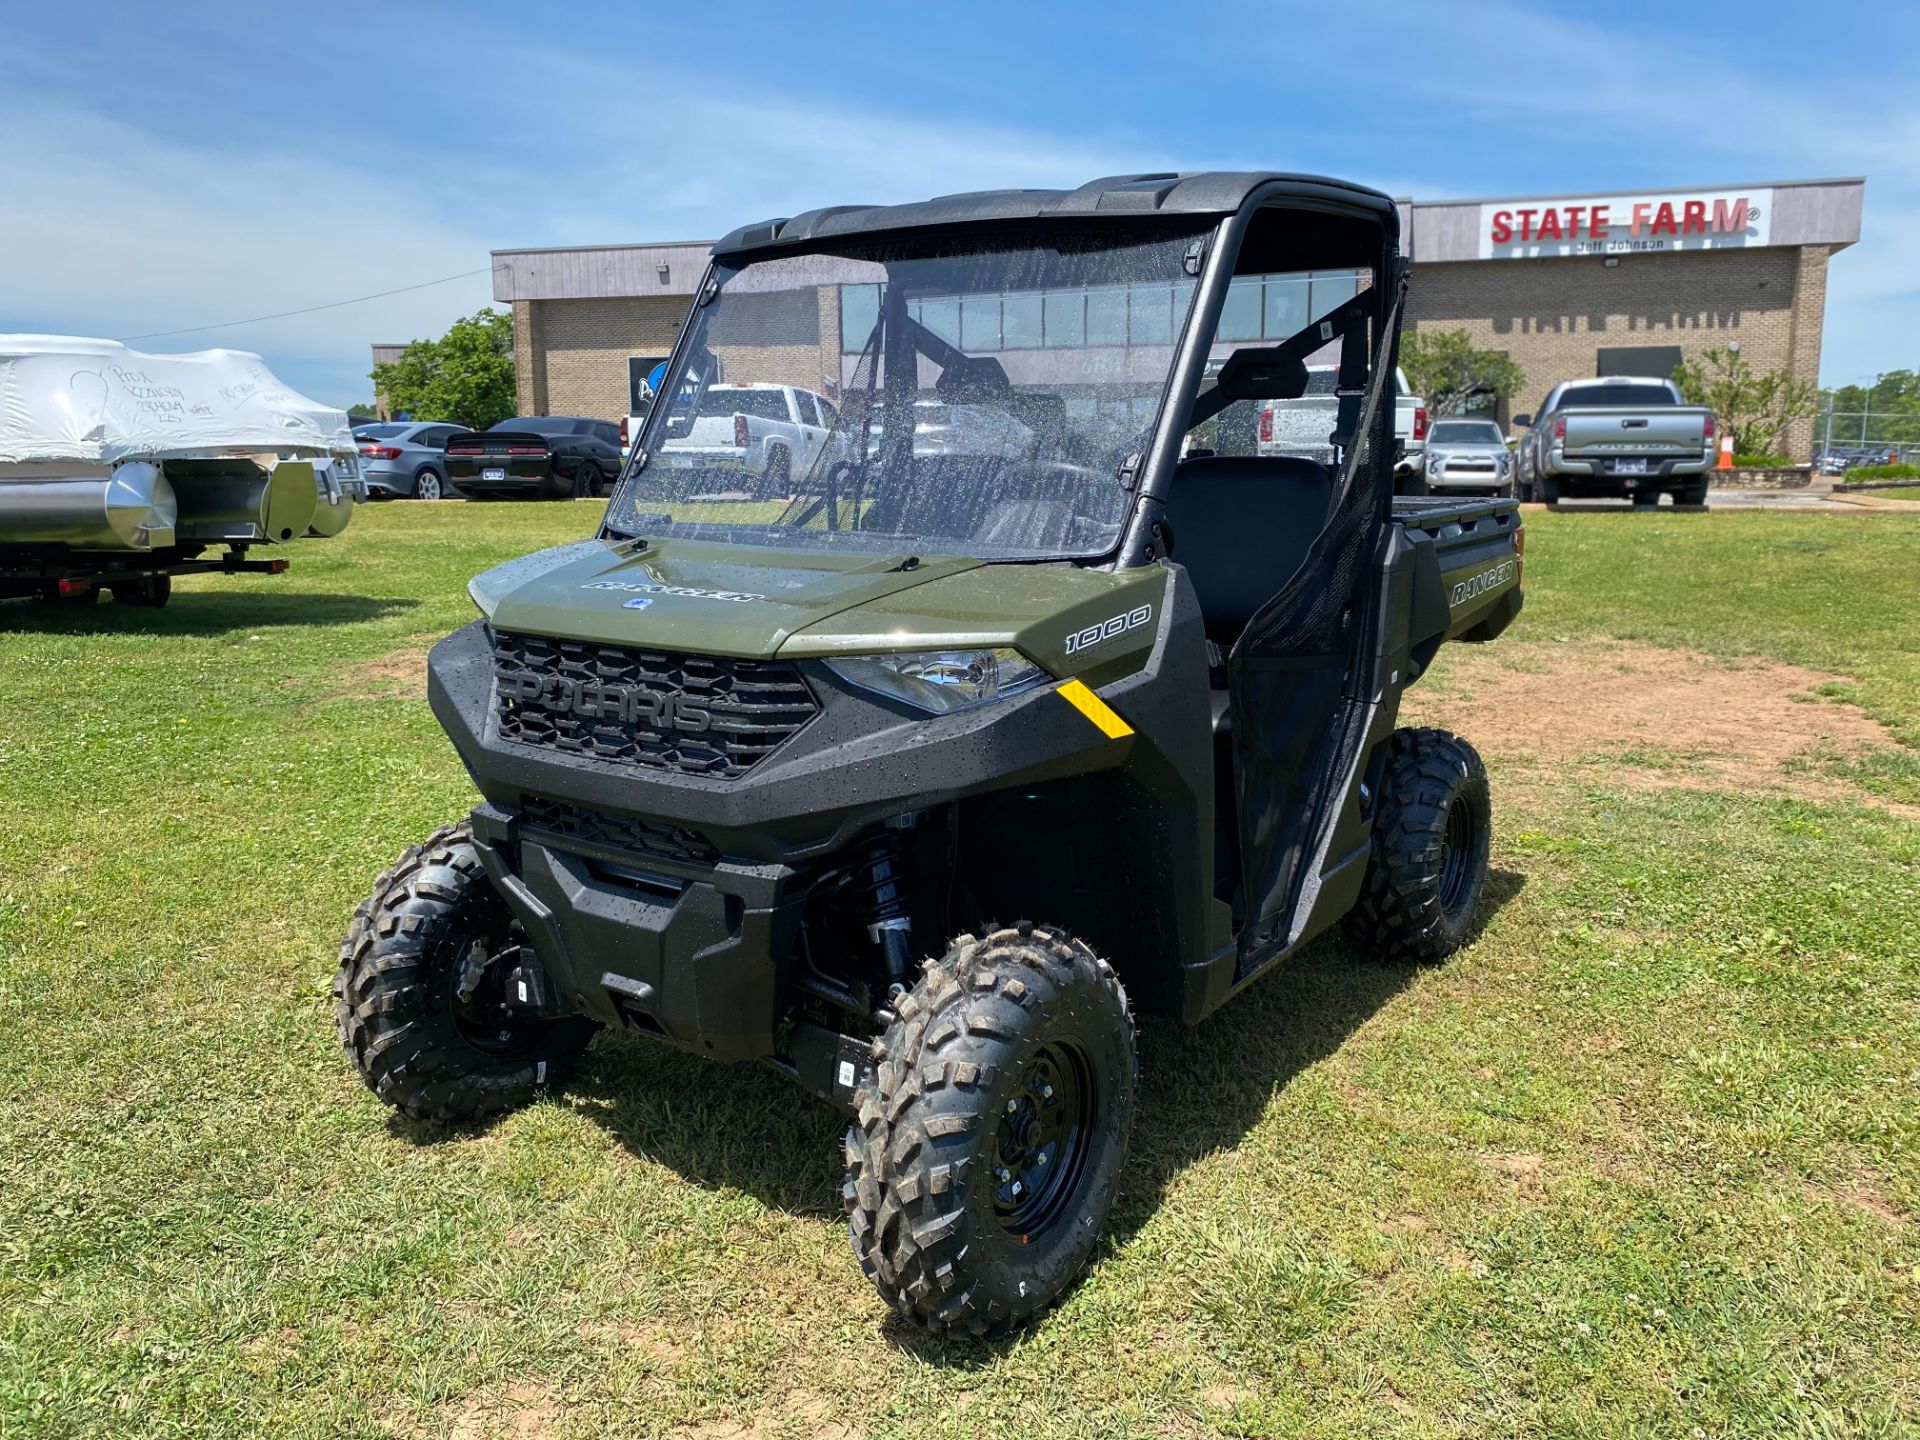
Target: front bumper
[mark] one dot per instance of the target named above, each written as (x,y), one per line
(689,932)
(1461,477)
(694,954)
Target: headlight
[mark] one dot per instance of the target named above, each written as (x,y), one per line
(942,681)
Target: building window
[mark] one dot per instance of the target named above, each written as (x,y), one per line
(942,317)
(1107,316)
(980,323)
(859,313)
(1240,316)
(1066,318)
(1288,306)
(1021,321)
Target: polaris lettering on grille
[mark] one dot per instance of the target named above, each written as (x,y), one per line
(626,704)
(1487,581)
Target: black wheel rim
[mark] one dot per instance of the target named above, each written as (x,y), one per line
(1457,855)
(477,989)
(1041,1147)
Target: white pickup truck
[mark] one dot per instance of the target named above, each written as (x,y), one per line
(1305,426)
(768,434)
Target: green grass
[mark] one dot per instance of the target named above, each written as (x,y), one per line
(1642,1161)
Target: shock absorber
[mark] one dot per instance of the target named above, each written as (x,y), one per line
(883,887)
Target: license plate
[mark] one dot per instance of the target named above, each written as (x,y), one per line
(1629,467)
(502,474)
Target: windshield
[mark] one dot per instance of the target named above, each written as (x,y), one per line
(1465,432)
(978,394)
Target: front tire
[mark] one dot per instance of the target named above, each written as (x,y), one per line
(421,998)
(986,1155)
(1432,837)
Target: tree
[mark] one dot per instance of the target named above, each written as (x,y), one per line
(1885,412)
(1446,371)
(1754,409)
(465,376)
(362,411)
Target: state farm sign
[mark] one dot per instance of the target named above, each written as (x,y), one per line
(1624,224)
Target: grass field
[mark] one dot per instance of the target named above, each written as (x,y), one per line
(1643,1161)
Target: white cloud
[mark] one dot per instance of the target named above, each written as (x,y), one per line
(1532,79)
(112,231)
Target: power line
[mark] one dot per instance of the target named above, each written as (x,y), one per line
(284,314)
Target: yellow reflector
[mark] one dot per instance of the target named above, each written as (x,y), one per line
(1096,710)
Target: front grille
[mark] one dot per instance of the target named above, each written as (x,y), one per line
(655,838)
(696,714)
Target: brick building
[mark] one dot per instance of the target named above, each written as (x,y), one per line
(1567,286)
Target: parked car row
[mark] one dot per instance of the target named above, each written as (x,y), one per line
(1841,458)
(536,457)
(1610,436)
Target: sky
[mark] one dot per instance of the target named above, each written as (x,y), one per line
(179,165)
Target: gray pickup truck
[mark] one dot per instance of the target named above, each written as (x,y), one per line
(1616,436)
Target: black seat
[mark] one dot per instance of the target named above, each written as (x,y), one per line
(1241,526)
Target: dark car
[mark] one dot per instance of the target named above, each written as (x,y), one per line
(538,457)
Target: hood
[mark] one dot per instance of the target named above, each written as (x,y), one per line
(691,596)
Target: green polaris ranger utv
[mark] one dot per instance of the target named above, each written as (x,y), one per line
(1043,693)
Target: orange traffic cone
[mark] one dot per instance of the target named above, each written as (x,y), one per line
(1726,452)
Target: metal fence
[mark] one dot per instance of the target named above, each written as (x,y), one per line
(1866,438)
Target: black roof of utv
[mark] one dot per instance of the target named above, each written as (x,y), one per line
(1212,192)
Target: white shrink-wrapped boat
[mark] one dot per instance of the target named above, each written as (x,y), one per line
(120,470)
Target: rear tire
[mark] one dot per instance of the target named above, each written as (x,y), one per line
(1692,495)
(1431,841)
(1549,490)
(986,1155)
(585,483)
(1646,499)
(427,485)
(420,1046)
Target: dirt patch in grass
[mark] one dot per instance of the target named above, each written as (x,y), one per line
(1656,717)
(400,674)
(525,1411)
(1861,1194)
(801,1413)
